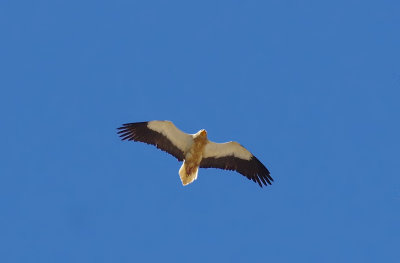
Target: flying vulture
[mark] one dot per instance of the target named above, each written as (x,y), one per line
(195,150)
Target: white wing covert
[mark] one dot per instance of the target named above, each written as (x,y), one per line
(162,134)
(233,156)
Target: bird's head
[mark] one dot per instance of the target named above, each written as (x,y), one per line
(203,133)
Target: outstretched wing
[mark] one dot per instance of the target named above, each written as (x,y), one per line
(163,134)
(233,156)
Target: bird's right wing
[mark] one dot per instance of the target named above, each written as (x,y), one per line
(163,134)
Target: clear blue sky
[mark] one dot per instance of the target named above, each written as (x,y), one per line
(312,88)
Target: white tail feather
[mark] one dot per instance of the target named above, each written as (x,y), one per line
(188,174)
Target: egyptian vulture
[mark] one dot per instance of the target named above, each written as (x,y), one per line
(195,150)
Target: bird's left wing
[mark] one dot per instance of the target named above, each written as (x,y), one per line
(233,156)
(163,134)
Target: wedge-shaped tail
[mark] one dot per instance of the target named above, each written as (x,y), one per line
(188,174)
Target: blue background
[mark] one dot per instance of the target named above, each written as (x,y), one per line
(310,87)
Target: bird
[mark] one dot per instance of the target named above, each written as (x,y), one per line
(196,151)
